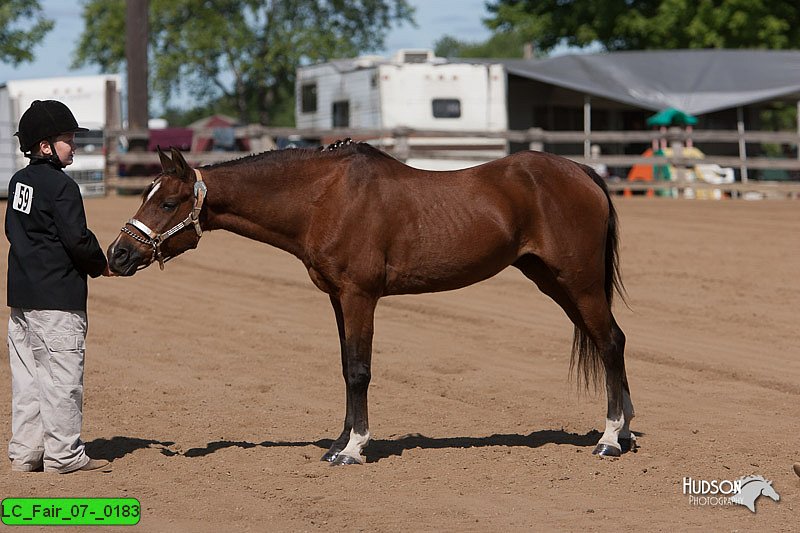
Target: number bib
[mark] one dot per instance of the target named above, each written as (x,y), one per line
(23,198)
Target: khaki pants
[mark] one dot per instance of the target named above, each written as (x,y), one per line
(46,349)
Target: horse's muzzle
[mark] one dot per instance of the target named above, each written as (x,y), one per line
(124,259)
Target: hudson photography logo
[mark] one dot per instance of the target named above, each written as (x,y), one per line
(723,492)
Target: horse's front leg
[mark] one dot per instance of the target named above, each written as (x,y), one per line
(339,444)
(355,314)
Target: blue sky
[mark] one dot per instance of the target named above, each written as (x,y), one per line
(435,18)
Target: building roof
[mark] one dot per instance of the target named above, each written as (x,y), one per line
(214,121)
(693,81)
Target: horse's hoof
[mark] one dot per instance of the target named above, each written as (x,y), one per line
(329,456)
(342,459)
(628,445)
(606,450)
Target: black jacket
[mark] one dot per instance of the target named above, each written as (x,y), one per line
(52,250)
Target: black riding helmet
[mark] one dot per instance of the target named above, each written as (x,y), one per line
(45,119)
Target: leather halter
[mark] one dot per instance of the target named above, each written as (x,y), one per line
(155,240)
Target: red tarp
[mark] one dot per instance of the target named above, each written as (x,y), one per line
(180,138)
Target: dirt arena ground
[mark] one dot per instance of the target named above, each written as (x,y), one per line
(215,387)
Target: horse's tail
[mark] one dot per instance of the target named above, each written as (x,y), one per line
(613,281)
(585,353)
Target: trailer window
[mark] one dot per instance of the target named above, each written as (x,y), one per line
(446,108)
(308,98)
(341,114)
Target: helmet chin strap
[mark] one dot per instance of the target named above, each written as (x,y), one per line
(54,155)
(52,158)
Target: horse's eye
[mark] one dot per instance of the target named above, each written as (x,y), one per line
(169,206)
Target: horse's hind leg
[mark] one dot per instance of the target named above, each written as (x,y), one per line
(354,318)
(617,436)
(599,343)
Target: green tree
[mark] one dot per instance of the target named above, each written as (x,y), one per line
(504,44)
(651,24)
(241,54)
(22,26)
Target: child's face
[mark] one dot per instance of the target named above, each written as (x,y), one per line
(65,148)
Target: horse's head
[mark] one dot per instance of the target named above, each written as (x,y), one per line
(168,221)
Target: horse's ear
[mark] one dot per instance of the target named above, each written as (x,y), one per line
(182,168)
(166,163)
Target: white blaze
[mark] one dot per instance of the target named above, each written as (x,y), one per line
(155,188)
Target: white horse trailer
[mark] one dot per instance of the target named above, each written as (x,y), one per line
(90,98)
(416,90)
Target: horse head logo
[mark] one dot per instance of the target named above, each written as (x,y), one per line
(751,488)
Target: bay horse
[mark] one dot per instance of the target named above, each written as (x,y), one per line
(366,225)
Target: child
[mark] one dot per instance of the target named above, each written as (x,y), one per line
(51,253)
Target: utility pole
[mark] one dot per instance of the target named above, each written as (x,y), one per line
(136,31)
(136,36)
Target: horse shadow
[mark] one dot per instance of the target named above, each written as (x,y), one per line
(379,449)
(384,448)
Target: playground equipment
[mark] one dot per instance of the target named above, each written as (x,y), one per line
(699,172)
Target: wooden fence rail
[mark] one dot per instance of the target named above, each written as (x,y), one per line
(479,146)
(529,135)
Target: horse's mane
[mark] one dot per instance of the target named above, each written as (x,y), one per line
(340,148)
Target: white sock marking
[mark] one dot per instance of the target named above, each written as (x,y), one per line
(355,445)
